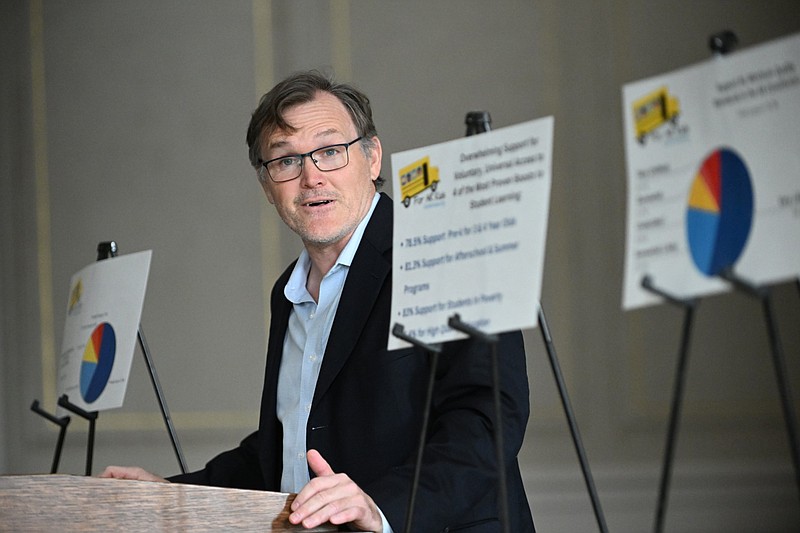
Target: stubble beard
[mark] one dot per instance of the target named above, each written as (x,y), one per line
(317,237)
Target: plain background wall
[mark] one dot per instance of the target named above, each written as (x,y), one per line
(125,121)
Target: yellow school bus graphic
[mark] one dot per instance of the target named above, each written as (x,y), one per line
(653,110)
(417,177)
(75,295)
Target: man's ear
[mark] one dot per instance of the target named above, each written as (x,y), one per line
(376,155)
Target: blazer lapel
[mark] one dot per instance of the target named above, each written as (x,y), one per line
(371,265)
(280,308)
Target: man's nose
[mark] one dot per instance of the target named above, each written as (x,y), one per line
(310,175)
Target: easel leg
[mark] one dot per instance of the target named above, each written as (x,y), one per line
(434,351)
(783,386)
(674,418)
(106,250)
(763,294)
(62,423)
(91,417)
(90,446)
(573,425)
(62,433)
(498,440)
(677,395)
(422,438)
(162,403)
(491,340)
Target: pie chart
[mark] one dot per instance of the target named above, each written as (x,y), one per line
(720,211)
(98,359)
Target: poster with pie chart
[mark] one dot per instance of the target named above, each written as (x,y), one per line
(713,175)
(100,331)
(720,212)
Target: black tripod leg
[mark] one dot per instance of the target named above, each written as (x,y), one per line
(573,425)
(674,418)
(783,386)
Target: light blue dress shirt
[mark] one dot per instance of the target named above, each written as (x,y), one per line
(303,348)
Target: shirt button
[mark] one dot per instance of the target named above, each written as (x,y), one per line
(312,357)
(300,455)
(310,316)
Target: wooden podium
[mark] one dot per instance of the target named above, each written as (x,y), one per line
(76,503)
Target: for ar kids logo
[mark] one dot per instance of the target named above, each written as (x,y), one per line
(415,179)
(75,297)
(655,115)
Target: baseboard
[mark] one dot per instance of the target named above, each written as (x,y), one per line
(703,498)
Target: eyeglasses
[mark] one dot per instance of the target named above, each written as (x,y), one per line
(327,158)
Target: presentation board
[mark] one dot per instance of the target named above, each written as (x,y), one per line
(102,321)
(470,224)
(713,173)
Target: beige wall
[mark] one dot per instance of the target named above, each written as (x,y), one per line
(125,121)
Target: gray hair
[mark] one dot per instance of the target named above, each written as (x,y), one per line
(301,88)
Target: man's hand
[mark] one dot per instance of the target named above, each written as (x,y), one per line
(131,472)
(333,498)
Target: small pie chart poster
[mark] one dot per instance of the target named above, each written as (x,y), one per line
(713,166)
(100,331)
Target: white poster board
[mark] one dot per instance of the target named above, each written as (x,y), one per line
(713,165)
(103,314)
(470,224)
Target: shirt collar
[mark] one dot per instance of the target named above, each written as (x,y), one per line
(295,290)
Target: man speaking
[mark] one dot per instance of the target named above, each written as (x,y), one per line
(340,415)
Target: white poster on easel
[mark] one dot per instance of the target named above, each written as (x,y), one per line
(470,224)
(103,314)
(713,166)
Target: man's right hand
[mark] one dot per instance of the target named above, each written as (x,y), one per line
(131,472)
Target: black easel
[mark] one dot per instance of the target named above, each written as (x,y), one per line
(91,417)
(490,340)
(762,293)
(573,424)
(104,251)
(480,122)
(434,351)
(688,306)
(62,422)
(720,44)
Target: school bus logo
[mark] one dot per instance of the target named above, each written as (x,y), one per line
(75,296)
(653,110)
(417,177)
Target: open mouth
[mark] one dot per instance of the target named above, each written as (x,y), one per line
(318,203)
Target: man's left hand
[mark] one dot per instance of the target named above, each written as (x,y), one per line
(334,498)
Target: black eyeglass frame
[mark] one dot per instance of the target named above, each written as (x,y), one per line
(302,157)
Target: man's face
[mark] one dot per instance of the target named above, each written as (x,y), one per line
(323,208)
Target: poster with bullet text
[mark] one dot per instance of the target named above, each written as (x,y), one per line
(470,224)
